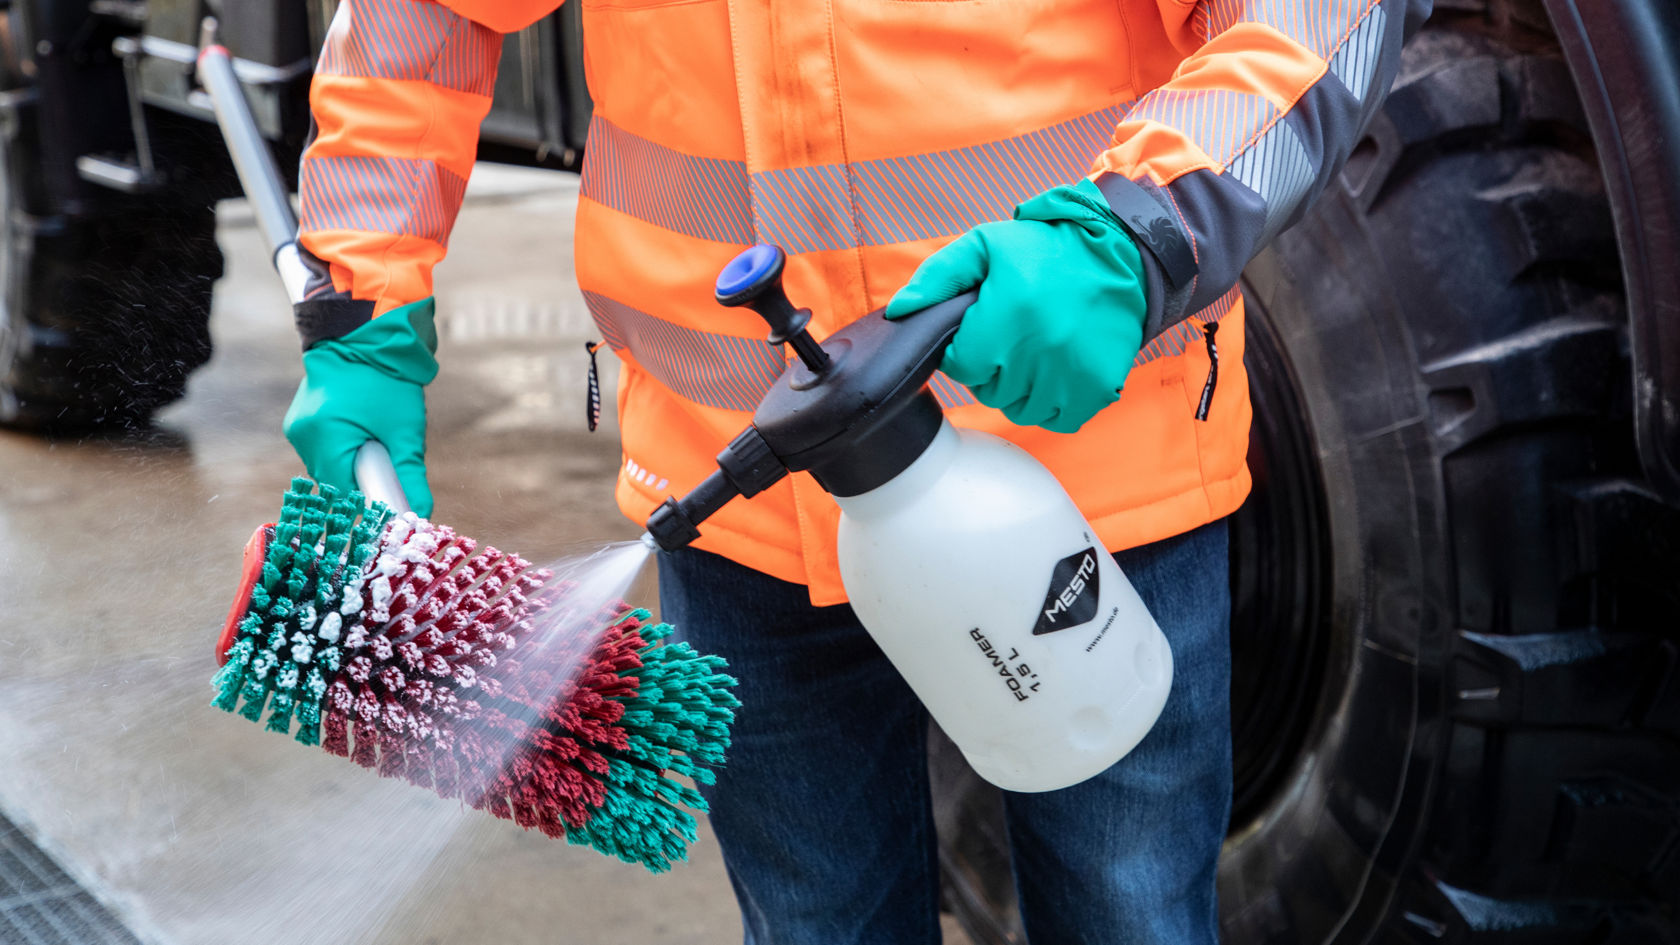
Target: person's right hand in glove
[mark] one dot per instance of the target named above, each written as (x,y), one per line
(368,385)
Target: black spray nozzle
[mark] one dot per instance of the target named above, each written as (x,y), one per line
(754,279)
(676,523)
(746,467)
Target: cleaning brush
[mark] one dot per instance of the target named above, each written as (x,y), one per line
(423,655)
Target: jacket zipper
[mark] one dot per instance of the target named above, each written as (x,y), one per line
(592,411)
(1208,330)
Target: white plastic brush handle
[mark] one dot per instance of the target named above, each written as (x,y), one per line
(377,478)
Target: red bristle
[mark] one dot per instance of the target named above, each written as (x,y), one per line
(551,826)
(525,816)
(338,698)
(446,780)
(364,753)
(335,734)
(411,655)
(393,715)
(417,767)
(419,692)
(391,678)
(403,600)
(445,701)
(391,755)
(366,707)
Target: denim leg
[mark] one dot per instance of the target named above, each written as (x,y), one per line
(1129,855)
(822,810)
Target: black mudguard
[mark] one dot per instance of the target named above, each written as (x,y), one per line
(1625,57)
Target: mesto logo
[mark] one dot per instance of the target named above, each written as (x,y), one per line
(1072,598)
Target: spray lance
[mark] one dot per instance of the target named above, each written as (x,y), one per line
(962,555)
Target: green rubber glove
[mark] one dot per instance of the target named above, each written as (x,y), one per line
(1060,314)
(368,385)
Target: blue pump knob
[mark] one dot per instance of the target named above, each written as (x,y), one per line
(753,271)
(754,279)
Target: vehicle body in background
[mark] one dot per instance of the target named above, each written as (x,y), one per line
(1456,701)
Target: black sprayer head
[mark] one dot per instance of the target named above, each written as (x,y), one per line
(854,411)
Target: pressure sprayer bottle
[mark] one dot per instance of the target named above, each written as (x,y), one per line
(963,556)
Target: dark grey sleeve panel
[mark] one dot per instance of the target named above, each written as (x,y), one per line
(1274,164)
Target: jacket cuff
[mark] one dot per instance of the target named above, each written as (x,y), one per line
(1169,261)
(327,318)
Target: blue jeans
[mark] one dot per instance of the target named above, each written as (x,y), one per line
(823,811)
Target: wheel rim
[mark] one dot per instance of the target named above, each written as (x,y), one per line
(1280,580)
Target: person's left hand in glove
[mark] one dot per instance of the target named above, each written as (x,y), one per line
(1060,314)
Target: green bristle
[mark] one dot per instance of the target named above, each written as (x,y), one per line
(364,539)
(309,706)
(255,695)
(280,719)
(231,678)
(281,607)
(340,531)
(272,576)
(295,583)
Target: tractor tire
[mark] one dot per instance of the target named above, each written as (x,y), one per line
(1456,707)
(106,303)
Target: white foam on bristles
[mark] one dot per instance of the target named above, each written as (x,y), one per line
(352,603)
(330,626)
(381,589)
(306,617)
(302,650)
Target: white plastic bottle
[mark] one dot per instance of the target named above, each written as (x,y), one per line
(988,590)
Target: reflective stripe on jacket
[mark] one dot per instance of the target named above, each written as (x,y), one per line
(861,135)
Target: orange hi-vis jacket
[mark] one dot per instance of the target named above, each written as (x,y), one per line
(861,136)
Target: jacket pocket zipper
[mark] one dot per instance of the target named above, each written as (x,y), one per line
(1206,402)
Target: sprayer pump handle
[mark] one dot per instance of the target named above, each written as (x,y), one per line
(754,279)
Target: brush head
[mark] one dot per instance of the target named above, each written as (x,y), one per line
(423,655)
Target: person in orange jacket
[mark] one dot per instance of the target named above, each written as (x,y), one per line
(1100,171)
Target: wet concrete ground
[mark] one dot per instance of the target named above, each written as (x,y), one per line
(117,559)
